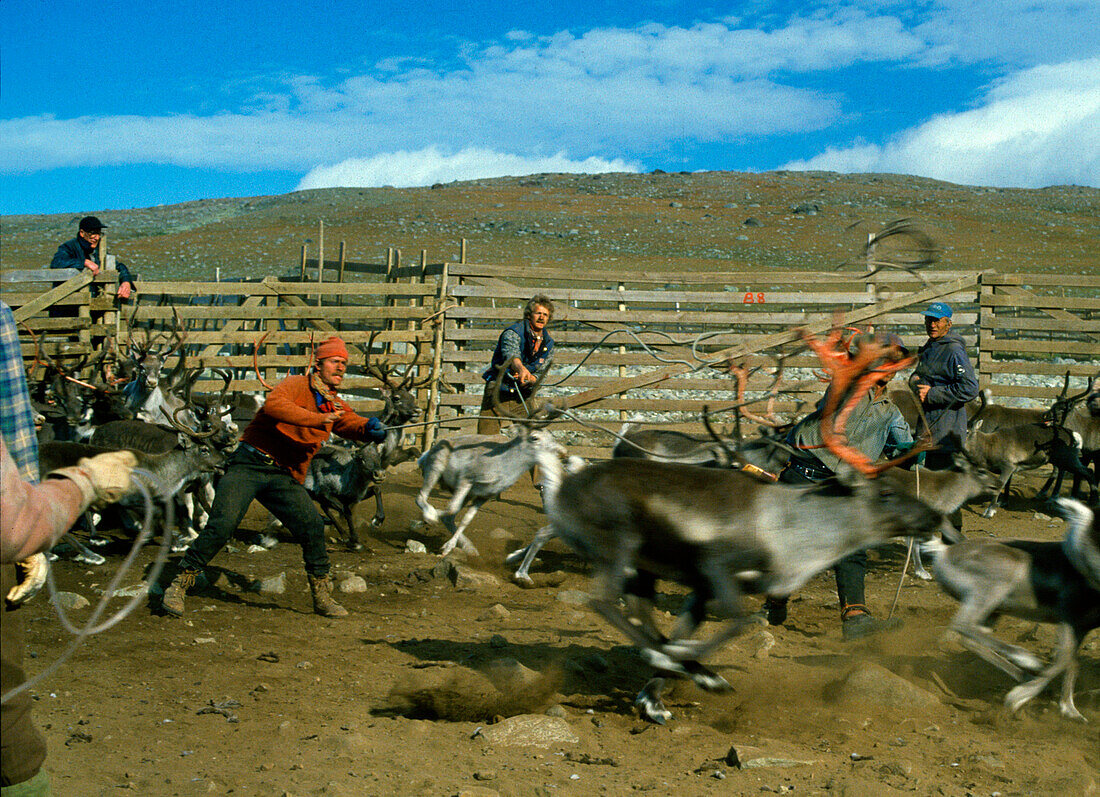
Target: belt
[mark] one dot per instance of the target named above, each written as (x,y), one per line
(813,472)
(266,457)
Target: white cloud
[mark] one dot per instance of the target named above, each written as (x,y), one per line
(403,169)
(624,90)
(1037,127)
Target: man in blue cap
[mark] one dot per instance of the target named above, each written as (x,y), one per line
(944,381)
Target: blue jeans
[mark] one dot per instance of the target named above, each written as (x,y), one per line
(250,476)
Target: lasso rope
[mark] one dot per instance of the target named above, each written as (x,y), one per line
(93,626)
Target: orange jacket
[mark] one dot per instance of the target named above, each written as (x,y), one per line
(291,429)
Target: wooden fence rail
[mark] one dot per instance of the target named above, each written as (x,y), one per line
(631,344)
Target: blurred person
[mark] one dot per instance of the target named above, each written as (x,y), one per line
(270,465)
(875,428)
(83,252)
(32,518)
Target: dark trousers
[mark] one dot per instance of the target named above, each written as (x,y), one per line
(22,748)
(849,571)
(249,477)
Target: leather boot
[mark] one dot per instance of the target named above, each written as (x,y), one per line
(172,602)
(323,603)
(857,623)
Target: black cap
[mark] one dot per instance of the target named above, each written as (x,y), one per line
(91,224)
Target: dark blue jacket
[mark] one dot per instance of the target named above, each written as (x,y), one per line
(943,365)
(533,360)
(72,254)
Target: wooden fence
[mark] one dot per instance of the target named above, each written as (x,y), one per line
(631,344)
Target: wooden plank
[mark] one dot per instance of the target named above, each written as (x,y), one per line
(347,313)
(778,339)
(71,285)
(613,297)
(1039,368)
(231,326)
(583,272)
(1069,319)
(1064,347)
(1031,324)
(267,287)
(1054,280)
(1039,302)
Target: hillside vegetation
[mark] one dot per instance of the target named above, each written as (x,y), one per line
(809,220)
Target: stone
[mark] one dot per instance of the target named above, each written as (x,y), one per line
(872,683)
(353,584)
(535,730)
(573,596)
(494,612)
(272,585)
(466,579)
(415,546)
(70,600)
(508,675)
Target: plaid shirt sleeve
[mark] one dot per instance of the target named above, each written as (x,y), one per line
(16,413)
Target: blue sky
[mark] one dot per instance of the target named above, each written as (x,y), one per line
(125,104)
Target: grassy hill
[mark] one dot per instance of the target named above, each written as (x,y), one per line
(811,220)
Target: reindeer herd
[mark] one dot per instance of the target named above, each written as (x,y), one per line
(704,512)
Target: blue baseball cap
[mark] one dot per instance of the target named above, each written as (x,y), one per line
(938,310)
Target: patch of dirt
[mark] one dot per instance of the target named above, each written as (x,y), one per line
(252,694)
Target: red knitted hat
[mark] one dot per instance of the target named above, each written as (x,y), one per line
(333,347)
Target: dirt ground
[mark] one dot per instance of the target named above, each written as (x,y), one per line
(252,694)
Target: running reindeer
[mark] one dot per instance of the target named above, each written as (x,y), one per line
(478,468)
(1047,582)
(725,534)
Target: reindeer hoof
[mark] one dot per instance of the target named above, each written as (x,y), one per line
(923,575)
(706,680)
(523,579)
(663,663)
(652,710)
(990,512)
(377,521)
(90,558)
(514,557)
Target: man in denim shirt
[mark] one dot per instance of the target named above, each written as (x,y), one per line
(524,349)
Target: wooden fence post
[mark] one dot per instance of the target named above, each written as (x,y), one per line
(431,415)
(320,256)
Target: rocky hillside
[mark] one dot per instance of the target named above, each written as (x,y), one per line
(809,220)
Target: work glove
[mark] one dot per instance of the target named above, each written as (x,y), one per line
(32,575)
(103,479)
(376,430)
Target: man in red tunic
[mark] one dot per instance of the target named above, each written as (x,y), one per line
(270,466)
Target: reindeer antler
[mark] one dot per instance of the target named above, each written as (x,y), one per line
(742,374)
(256,362)
(852,378)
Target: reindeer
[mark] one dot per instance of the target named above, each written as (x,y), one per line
(1048,582)
(943,490)
(171,470)
(725,533)
(764,454)
(339,477)
(1024,447)
(1080,415)
(478,468)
